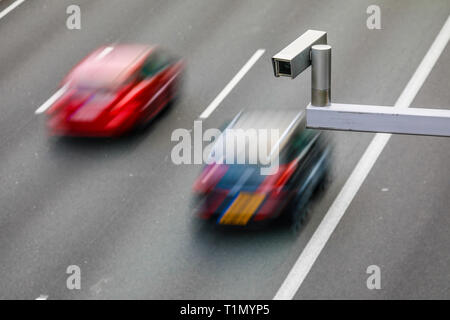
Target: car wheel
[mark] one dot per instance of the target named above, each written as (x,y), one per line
(298,219)
(326,180)
(323,184)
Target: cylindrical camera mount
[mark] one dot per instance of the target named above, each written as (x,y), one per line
(321,75)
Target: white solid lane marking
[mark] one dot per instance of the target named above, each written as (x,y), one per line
(42,297)
(213,105)
(11,7)
(47,104)
(320,237)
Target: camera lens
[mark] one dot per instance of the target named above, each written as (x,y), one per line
(284,68)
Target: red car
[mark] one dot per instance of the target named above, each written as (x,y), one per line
(115,89)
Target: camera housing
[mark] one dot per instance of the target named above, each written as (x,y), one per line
(295,58)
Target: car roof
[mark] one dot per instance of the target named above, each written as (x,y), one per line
(109,66)
(286,121)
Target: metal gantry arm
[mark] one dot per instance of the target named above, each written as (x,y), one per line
(367,118)
(321,113)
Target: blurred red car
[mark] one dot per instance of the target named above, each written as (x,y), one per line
(115,89)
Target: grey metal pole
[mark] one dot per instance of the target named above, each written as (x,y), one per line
(321,75)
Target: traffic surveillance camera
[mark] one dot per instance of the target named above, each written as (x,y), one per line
(295,58)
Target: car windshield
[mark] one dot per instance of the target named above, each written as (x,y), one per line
(154,64)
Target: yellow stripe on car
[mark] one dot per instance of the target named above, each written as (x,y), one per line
(242,209)
(229,215)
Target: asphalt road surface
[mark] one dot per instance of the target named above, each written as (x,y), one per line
(119,209)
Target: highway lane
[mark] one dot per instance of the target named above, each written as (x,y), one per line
(118,209)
